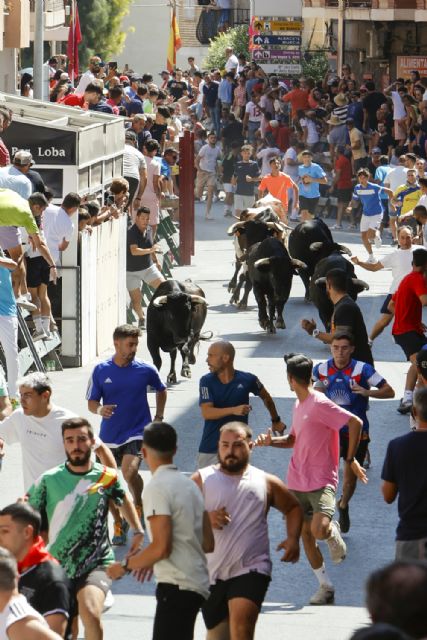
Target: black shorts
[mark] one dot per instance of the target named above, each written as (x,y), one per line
(38,272)
(97,578)
(384,307)
(360,452)
(309,204)
(132,448)
(344,195)
(251,586)
(410,342)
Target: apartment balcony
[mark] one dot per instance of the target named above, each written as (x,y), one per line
(199,24)
(372,10)
(54,17)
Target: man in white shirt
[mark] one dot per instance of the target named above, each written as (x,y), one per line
(134,168)
(206,165)
(18,620)
(180,534)
(13,177)
(400,263)
(399,113)
(232,61)
(90,75)
(58,226)
(37,427)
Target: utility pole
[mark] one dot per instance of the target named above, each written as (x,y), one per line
(341,36)
(38,51)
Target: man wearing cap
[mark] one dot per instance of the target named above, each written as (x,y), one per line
(357,144)
(337,135)
(90,75)
(131,90)
(13,177)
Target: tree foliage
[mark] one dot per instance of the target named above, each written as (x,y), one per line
(100,22)
(237,38)
(315,64)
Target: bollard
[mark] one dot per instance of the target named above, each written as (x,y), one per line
(186,197)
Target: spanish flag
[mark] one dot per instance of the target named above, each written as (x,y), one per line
(174,42)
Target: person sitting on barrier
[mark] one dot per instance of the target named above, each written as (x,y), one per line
(141,264)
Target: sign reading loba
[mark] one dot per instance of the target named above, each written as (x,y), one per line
(47,146)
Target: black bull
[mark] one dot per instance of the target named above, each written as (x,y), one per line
(271,271)
(318,293)
(309,242)
(175,317)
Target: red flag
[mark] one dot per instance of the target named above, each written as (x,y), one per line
(74,39)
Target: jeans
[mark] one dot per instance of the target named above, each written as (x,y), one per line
(9,342)
(215,117)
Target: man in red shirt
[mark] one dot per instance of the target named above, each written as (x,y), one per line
(408,329)
(92,94)
(342,185)
(297,97)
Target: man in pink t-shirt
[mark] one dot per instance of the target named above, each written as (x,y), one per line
(313,469)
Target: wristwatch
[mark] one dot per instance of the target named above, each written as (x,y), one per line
(124,565)
(275,419)
(315,333)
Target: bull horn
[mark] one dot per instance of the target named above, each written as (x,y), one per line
(316,246)
(320,281)
(261,261)
(160,300)
(298,264)
(234,227)
(195,298)
(361,283)
(344,249)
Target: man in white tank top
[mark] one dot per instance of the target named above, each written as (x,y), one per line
(18,619)
(237,499)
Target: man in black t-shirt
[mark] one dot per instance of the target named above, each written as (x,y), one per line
(371,103)
(246,175)
(404,474)
(177,86)
(141,261)
(347,317)
(42,580)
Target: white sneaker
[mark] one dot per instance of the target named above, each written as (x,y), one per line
(372,259)
(324,595)
(39,335)
(23,302)
(377,240)
(337,227)
(337,546)
(209,217)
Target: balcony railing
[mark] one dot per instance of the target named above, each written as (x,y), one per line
(210,19)
(357,4)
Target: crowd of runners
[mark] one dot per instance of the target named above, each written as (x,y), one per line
(338,145)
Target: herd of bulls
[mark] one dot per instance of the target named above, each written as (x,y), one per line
(268,255)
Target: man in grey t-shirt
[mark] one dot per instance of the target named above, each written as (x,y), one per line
(180,534)
(206,164)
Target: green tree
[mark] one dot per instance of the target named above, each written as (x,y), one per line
(237,38)
(315,64)
(101,27)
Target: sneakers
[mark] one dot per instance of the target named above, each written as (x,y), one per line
(352,227)
(337,546)
(209,217)
(344,518)
(141,323)
(39,335)
(337,227)
(377,240)
(405,406)
(371,259)
(25,303)
(120,534)
(324,595)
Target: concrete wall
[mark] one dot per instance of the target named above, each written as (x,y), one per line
(147,30)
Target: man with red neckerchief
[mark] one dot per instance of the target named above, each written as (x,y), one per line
(42,580)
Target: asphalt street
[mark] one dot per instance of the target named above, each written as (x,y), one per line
(370,541)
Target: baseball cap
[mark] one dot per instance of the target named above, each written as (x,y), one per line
(376,150)
(124,78)
(22,158)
